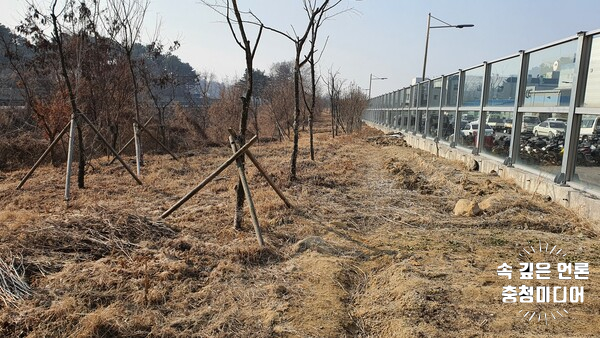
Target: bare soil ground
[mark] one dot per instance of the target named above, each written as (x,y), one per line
(371,249)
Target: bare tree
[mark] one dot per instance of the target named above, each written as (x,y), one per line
(352,103)
(238,31)
(312,61)
(206,83)
(279,94)
(316,14)
(334,90)
(126,19)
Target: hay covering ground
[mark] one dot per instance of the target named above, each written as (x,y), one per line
(372,248)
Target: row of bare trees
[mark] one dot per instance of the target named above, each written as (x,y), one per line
(78,58)
(81,63)
(305,53)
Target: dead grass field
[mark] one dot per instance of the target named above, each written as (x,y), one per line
(371,249)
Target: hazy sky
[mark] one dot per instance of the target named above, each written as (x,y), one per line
(385,38)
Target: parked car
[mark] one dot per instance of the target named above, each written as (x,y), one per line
(471,129)
(557,119)
(496,122)
(550,128)
(469,134)
(529,122)
(590,126)
(508,125)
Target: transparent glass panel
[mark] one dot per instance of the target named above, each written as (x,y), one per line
(587,167)
(407,93)
(592,88)
(423,94)
(413,120)
(422,119)
(435,93)
(448,118)
(541,147)
(433,123)
(590,127)
(473,86)
(503,82)
(499,144)
(413,97)
(550,76)
(451,89)
(468,129)
(403,119)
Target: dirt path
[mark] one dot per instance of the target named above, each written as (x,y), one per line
(371,249)
(392,259)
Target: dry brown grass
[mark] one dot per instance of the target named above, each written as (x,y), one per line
(370,249)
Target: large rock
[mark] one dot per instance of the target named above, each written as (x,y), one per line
(465,207)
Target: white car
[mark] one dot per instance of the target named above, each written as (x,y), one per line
(550,128)
(471,129)
(590,125)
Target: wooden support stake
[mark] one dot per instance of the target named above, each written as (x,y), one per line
(138,148)
(39,161)
(70,158)
(263,172)
(112,150)
(242,175)
(210,177)
(128,143)
(157,141)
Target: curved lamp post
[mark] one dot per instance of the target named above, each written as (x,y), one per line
(446,25)
(371,78)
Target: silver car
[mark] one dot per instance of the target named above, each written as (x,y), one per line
(550,129)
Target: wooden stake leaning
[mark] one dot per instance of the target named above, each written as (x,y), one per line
(112,150)
(39,161)
(242,175)
(143,128)
(263,172)
(210,177)
(128,143)
(71,125)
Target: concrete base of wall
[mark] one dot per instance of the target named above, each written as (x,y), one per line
(584,203)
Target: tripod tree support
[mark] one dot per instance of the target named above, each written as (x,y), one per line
(143,128)
(263,172)
(128,143)
(244,181)
(210,177)
(55,141)
(112,150)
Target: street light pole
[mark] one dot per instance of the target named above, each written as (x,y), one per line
(446,25)
(426,46)
(371,78)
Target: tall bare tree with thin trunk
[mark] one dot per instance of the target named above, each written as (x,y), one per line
(312,61)
(316,14)
(238,30)
(126,20)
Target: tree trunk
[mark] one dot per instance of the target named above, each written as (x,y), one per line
(295,126)
(72,99)
(139,156)
(313,105)
(81,167)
